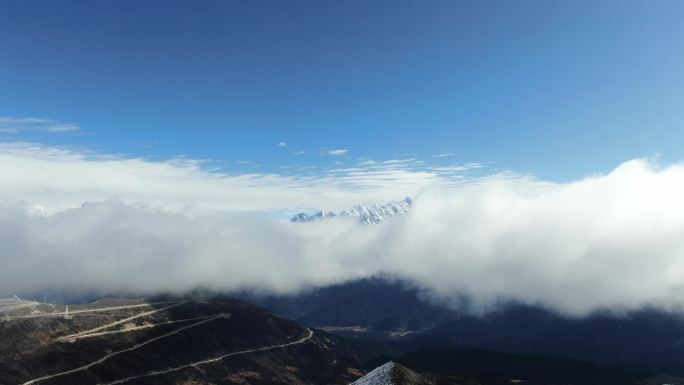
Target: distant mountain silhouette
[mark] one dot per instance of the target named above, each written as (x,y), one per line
(389,309)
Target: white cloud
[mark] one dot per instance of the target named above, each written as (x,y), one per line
(282,144)
(338,152)
(10,125)
(444,155)
(398,161)
(298,153)
(58,179)
(457,167)
(606,241)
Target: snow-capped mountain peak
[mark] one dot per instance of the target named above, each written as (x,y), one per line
(303,217)
(365,214)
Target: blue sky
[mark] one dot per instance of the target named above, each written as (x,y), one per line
(166,118)
(560,89)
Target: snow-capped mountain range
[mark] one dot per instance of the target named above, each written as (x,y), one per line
(365,214)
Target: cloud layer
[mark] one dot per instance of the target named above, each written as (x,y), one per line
(11,125)
(611,241)
(58,179)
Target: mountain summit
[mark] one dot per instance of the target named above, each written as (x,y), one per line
(365,214)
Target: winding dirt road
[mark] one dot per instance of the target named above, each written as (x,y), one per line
(94,331)
(212,360)
(102,330)
(116,353)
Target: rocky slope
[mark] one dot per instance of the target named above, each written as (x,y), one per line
(393,373)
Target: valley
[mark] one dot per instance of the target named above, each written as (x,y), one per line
(212,339)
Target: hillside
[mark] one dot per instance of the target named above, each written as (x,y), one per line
(164,341)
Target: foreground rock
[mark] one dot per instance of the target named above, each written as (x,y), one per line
(392,373)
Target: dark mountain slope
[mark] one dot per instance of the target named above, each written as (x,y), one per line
(375,304)
(647,339)
(464,364)
(388,309)
(217,341)
(497,368)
